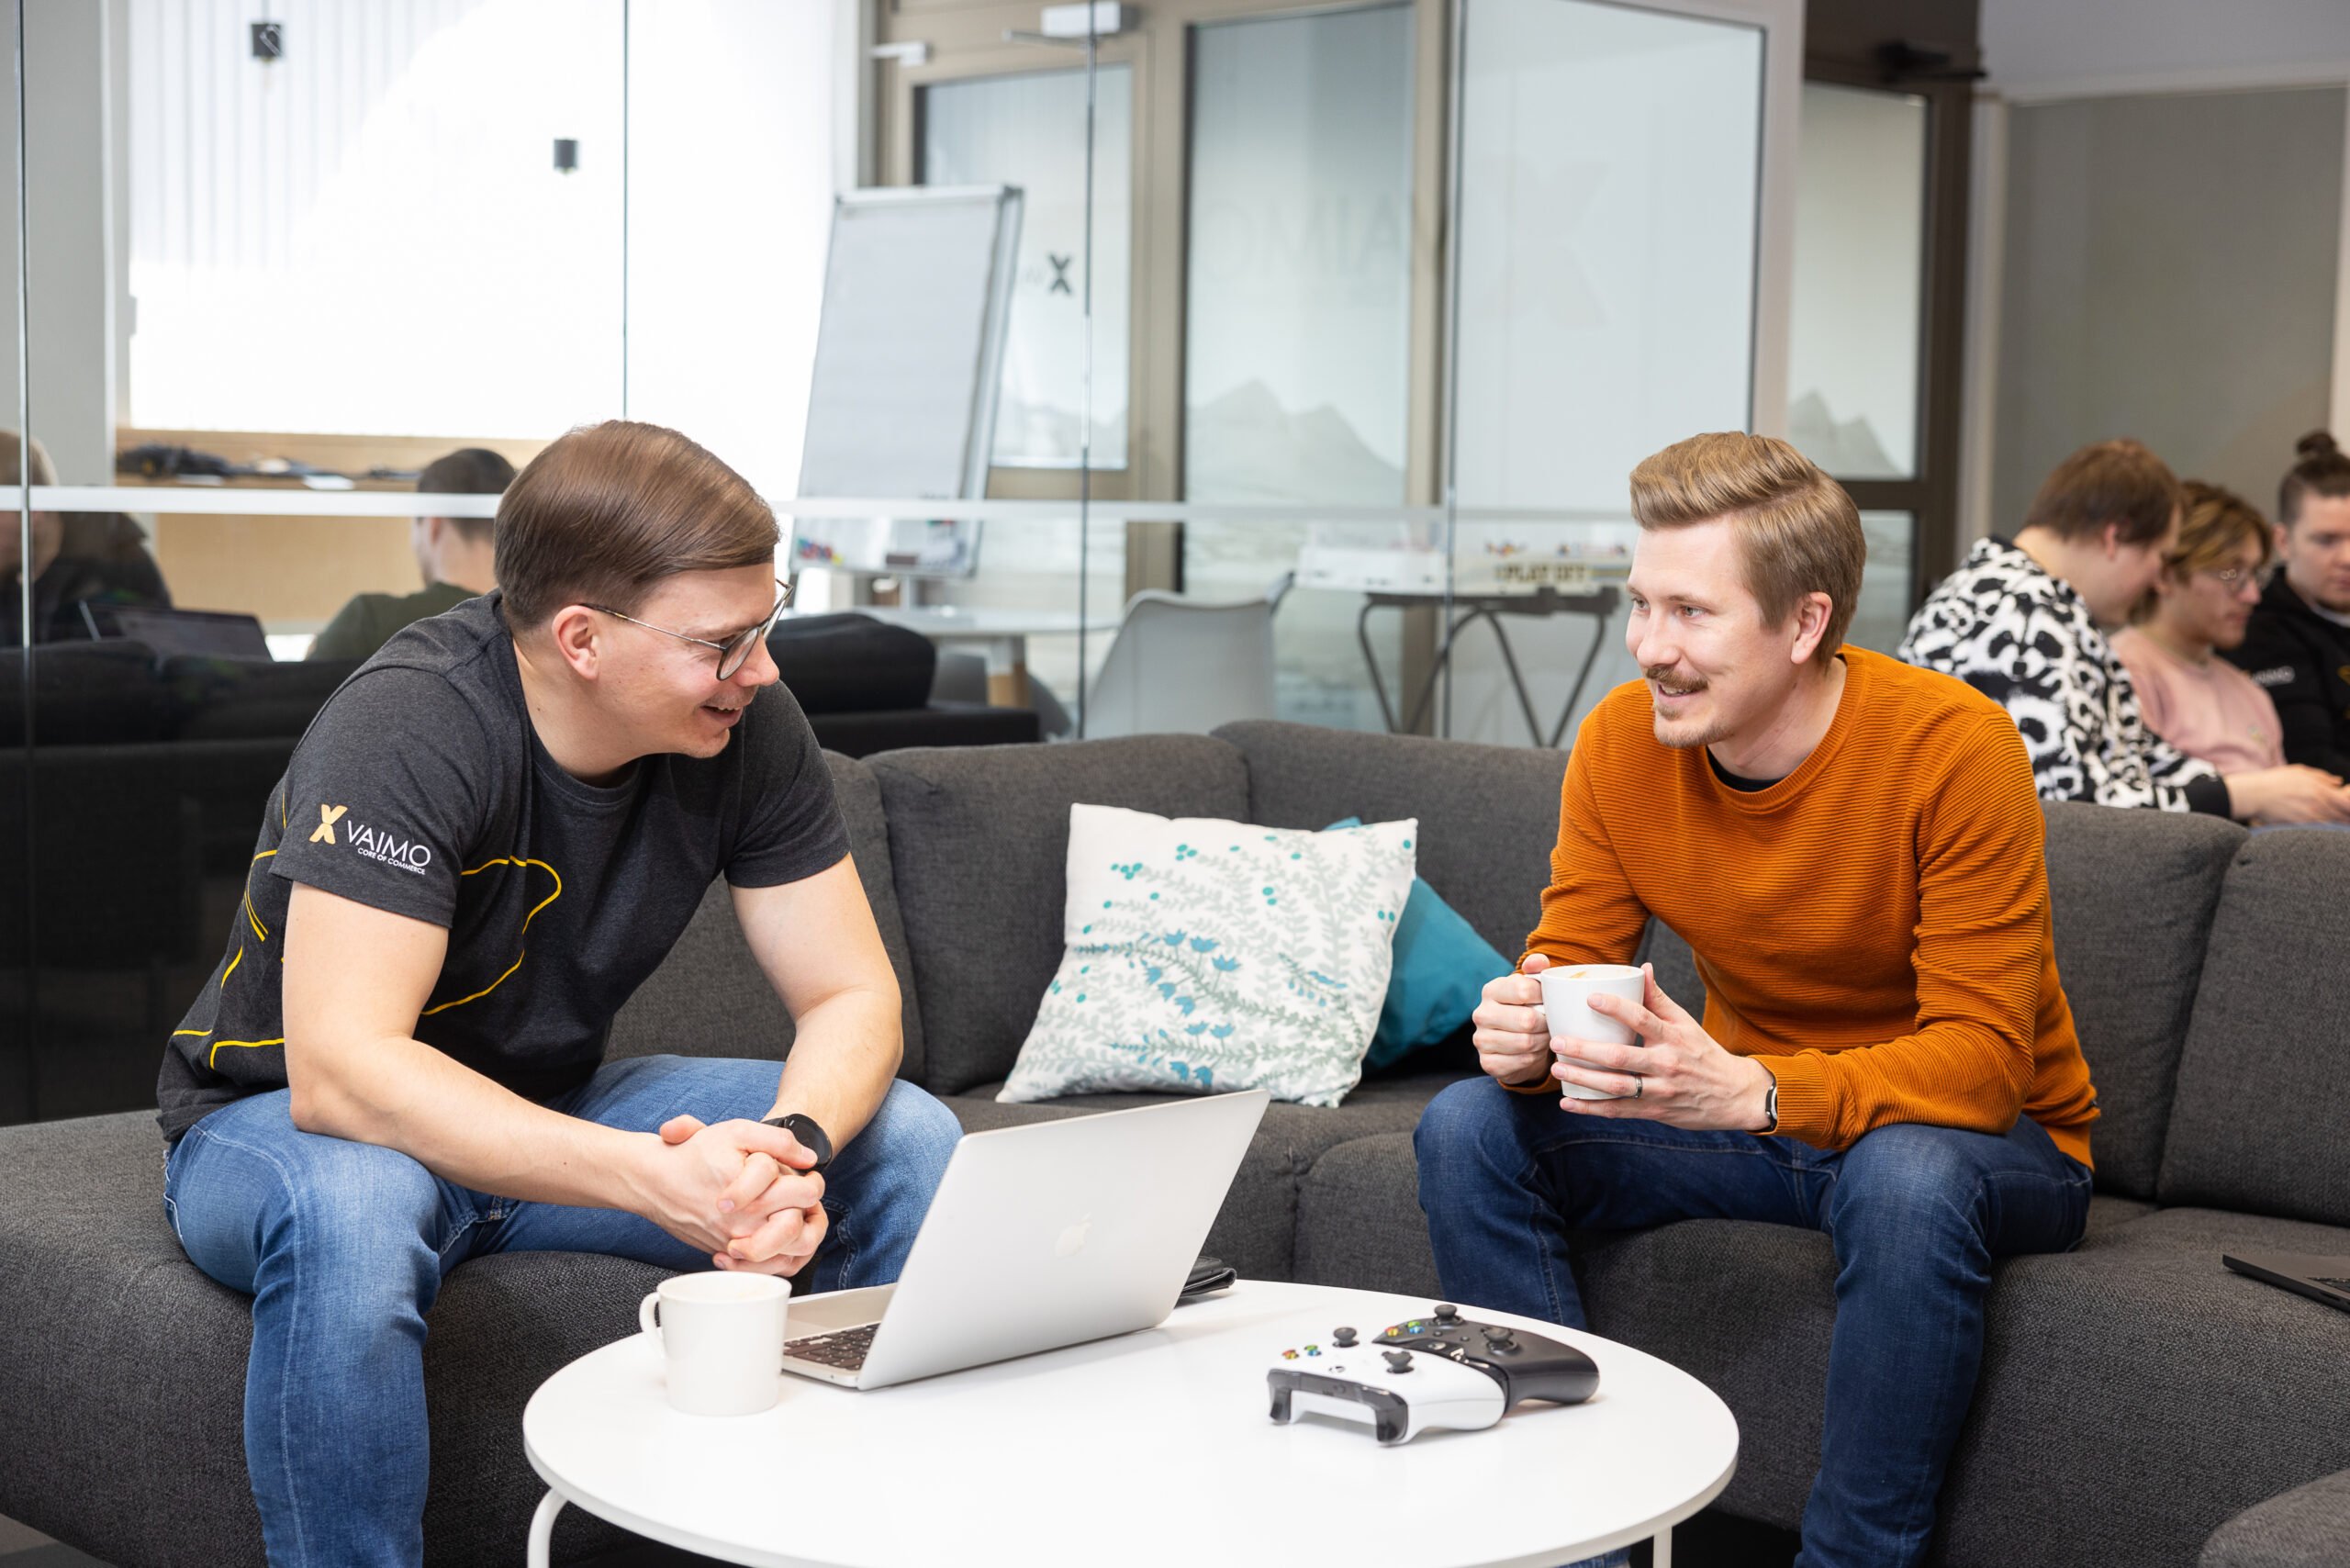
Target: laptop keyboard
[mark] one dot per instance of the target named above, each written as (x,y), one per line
(2337,1284)
(844,1350)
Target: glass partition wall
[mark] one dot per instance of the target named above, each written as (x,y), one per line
(1357,315)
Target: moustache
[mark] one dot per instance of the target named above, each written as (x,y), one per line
(1665,673)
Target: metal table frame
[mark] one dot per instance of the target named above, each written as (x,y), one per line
(1599,604)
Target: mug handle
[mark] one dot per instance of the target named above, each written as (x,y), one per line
(648,1317)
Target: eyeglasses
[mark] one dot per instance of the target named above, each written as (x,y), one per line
(2233,577)
(734,649)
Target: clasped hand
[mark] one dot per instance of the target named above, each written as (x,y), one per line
(1685,1078)
(741,1192)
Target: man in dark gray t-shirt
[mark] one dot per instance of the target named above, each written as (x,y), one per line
(487,839)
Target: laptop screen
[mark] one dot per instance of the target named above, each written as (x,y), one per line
(202,633)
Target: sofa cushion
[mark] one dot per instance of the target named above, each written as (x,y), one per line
(1256,1231)
(1203,954)
(2264,1081)
(977,840)
(2139,1394)
(2132,894)
(125,1434)
(708,997)
(1488,814)
(2306,1527)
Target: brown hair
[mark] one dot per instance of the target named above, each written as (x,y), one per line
(2321,470)
(2107,481)
(1797,530)
(468,471)
(2215,526)
(609,510)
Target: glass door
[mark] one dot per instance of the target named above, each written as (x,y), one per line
(1620,284)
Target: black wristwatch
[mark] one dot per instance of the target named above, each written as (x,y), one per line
(811,1135)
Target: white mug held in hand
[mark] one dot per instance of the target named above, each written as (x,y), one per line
(1567,990)
(722,1337)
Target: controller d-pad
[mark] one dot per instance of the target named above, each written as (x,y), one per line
(1398,1360)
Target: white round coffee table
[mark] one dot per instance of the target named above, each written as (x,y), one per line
(1154,1448)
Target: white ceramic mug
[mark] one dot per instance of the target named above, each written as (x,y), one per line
(1567,990)
(722,1338)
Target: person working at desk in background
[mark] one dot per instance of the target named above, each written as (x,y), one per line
(456,554)
(99,557)
(486,841)
(1854,851)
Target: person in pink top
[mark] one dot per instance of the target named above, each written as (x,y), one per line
(2210,586)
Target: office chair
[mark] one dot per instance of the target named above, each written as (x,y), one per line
(1182,667)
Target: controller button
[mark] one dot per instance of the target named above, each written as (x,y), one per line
(1342,1338)
(1446,1312)
(1289,1355)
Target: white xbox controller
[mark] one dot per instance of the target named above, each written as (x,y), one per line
(1398,1393)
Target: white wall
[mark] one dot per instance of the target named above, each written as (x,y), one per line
(2029,44)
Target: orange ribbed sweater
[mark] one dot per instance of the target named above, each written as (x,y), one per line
(1875,923)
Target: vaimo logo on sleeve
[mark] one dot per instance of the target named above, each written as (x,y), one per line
(372,842)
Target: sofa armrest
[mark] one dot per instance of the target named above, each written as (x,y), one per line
(2306,1527)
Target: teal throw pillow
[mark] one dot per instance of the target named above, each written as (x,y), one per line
(1441,966)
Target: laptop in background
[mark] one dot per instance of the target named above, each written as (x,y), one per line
(1040,1236)
(174,634)
(2319,1278)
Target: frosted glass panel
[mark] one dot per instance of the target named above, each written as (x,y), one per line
(1607,225)
(1299,271)
(1297,320)
(1860,264)
(1610,163)
(1883,614)
(1030,132)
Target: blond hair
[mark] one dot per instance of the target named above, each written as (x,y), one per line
(2215,523)
(13,448)
(1798,531)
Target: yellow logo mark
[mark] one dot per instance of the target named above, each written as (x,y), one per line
(328,817)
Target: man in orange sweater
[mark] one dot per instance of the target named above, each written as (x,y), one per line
(1853,849)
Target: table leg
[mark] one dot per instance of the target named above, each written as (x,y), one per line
(1008,672)
(542,1530)
(1660,1549)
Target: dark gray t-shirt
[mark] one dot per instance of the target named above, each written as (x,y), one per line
(422,789)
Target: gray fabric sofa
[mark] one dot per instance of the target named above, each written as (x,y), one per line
(2140,1404)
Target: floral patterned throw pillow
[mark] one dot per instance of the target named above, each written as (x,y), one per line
(1205,955)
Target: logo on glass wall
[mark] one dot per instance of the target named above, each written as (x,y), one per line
(1060,274)
(328,817)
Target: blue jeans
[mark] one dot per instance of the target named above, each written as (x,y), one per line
(1916,1214)
(344,1245)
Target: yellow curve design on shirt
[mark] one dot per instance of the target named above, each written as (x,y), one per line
(507,860)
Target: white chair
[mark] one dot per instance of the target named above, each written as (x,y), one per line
(1182,667)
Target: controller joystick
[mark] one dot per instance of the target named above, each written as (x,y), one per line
(1343,1338)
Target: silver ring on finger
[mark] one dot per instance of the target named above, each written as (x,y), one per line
(1638,1087)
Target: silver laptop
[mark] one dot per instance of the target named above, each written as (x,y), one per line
(2320,1278)
(1041,1235)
